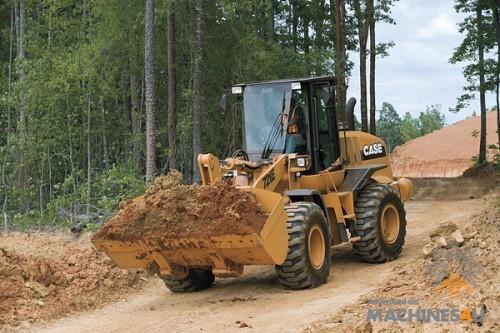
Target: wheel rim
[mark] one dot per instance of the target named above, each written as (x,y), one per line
(390,223)
(316,242)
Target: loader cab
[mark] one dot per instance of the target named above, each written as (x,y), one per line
(290,116)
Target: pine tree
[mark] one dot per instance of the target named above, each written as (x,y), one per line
(478,39)
(197,88)
(150,92)
(172,88)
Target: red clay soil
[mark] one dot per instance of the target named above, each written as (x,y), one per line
(171,210)
(61,278)
(447,152)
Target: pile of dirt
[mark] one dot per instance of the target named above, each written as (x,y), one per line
(172,210)
(452,287)
(447,152)
(53,280)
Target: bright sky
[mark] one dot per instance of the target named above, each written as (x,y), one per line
(417,72)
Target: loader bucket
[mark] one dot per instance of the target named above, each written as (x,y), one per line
(225,254)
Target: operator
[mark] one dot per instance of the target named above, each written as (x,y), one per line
(296,131)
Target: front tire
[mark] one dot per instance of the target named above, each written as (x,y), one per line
(197,279)
(307,264)
(380,223)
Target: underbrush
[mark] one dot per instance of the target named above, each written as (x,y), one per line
(70,204)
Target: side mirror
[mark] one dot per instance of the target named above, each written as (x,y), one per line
(223,103)
(349,113)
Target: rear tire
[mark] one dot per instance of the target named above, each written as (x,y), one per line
(197,279)
(380,222)
(307,264)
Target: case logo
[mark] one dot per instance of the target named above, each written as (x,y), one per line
(374,150)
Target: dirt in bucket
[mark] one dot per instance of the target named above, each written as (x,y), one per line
(169,209)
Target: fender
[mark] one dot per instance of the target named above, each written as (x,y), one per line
(313,196)
(357,178)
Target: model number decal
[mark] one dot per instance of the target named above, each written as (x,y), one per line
(269,178)
(373,150)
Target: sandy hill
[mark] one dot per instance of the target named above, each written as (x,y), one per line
(444,153)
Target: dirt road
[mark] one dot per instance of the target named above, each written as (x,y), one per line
(256,299)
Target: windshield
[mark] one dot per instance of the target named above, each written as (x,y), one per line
(263,107)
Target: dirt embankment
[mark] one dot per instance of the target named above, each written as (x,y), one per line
(172,210)
(43,277)
(447,152)
(459,188)
(452,286)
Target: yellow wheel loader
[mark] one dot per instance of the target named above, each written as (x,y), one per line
(321,183)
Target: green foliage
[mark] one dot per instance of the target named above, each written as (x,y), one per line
(396,131)
(431,119)
(389,126)
(81,86)
(410,127)
(115,185)
(495,152)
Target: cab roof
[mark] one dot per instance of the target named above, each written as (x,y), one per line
(302,80)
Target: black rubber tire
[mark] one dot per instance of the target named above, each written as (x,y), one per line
(297,272)
(196,280)
(368,208)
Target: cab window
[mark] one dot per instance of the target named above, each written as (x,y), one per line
(327,138)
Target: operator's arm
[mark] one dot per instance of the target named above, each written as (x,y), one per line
(297,116)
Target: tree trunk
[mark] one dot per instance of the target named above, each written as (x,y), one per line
(11,60)
(340,56)
(272,13)
(150,92)
(127,115)
(482,97)
(7,146)
(136,120)
(197,77)
(172,89)
(304,13)
(373,54)
(105,153)
(70,143)
(49,164)
(49,33)
(289,23)
(319,27)
(16,20)
(496,15)
(40,188)
(89,154)
(38,11)
(307,41)
(294,17)
(21,55)
(362,23)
